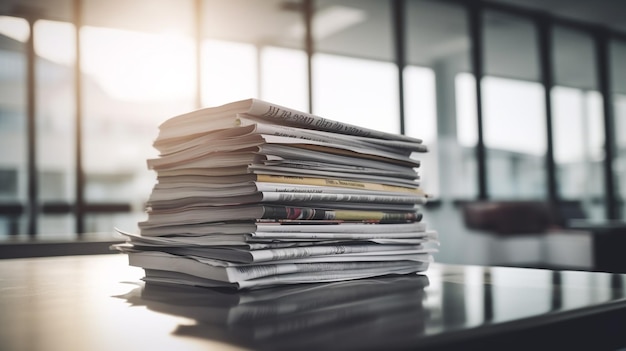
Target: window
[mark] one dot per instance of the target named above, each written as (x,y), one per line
(253,49)
(55,93)
(369,102)
(577,120)
(421,122)
(437,45)
(284,77)
(229,72)
(355,80)
(14,32)
(514,121)
(617,50)
(143,63)
(135,74)
(466,135)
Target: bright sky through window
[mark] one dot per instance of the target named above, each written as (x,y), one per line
(139,66)
(229,72)
(356,91)
(15,28)
(284,78)
(514,115)
(419,99)
(55,41)
(465,95)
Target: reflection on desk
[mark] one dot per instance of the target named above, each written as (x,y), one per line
(99,303)
(354,314)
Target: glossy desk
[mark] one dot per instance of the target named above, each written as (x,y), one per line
(99,303)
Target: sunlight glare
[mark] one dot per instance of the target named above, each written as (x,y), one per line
(569,123)
(229,72)
(139,66)
(513,115)
(15,28)
(465,94)
(344,93)
(55,41)
(420,103)
(284,78)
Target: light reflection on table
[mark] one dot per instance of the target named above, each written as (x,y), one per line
(99,303)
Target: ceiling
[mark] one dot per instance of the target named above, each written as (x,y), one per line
(607,13)
(437,31)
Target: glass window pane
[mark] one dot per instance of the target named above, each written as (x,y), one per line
(421,122)
(618,79)
(437,46)
(253,49)
(577,121)
(284,77)
(510,46)
(371,102)
(354,80)
(229,72)
(101,223)
(57,225)
(55,47)
(574,59)
(138,69)
(466,120)
(464,152)
(514,116)
(356,28)
(579,145)
(513,109)
(14,32)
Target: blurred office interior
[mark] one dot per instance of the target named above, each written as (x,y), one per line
(84,85)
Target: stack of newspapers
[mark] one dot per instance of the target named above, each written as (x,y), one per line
(251,194)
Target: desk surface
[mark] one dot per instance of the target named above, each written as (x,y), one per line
(99,303)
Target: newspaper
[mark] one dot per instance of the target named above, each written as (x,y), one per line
(293,253)
(193,215)
(253,141)
(231,228)
(225,116)
(269,192)
(287,152)
(252,127)
(189,265)
(199,198)
(285,239)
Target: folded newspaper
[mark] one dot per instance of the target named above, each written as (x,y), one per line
(251,194)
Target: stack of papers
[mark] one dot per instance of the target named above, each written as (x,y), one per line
(251,194)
